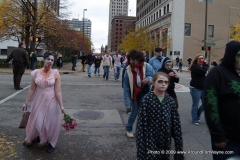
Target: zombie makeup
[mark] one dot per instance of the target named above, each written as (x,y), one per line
(237,61)
(168,65)
(200,60)
(161,83)
(48,62)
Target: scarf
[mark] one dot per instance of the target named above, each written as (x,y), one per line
(137,71)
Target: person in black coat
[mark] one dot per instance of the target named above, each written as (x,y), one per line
(167,68)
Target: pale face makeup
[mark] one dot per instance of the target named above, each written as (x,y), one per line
(168,65)
(237,61)
(200,60)
(48,62)
(161,84)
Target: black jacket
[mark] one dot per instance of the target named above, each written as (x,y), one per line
(90,59)
(173,80)
(198,75)
(19,55)
(222,98)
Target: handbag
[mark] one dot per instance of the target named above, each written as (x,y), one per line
(24,120)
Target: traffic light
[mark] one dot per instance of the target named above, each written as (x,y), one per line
(208,48)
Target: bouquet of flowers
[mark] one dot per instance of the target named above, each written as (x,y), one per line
(70,123)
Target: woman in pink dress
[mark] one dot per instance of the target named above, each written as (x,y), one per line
(45,112)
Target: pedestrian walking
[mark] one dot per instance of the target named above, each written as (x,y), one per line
(158,122)
(173,78)
(83,60)
(117,66)
(97,63)
(106,64)
(198,74)
(33,60)
(90,60)
(222,105)
(19,61)
(74,61)
(189,62)
(137,79)
(44,121)
(180,66)
(177,61)
(59,61)
(157,60)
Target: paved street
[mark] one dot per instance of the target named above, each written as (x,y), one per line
(98,107)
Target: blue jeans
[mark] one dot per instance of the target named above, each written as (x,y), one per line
(196,96)
(89,69)
(33,65)
(106,72)
(74,65)
(117,72)
(97,70)
(235,148)
(132,117)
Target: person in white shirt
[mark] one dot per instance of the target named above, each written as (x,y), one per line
(117,65)
(107,64)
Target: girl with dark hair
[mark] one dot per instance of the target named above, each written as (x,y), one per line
(138,76)
(44,121)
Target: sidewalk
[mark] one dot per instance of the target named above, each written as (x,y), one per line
(66,69)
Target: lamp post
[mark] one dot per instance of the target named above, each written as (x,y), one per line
(83,26)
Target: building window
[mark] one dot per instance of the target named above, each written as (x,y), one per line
(187,31)
(210,30)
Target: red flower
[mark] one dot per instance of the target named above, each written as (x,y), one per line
(70,123)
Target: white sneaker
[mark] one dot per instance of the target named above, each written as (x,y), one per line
(197,124)
(130,134)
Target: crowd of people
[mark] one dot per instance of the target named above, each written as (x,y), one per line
(148,90)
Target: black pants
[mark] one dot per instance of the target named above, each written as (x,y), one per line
(18,71)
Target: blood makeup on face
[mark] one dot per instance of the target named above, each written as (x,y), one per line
(200,60)
(49,61)
(161,83)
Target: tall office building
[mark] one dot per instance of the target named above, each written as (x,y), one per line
(182,23)
(78,26)
(116,7)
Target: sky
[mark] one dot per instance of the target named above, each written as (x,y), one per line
(98,13)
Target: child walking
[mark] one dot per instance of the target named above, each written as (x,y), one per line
(158,122)
(97,63)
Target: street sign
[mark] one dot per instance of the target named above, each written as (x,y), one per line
(209,1)
(210,44)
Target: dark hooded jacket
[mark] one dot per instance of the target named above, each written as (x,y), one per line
(222,98)
(173,80)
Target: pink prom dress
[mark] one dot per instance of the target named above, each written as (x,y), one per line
(45,116)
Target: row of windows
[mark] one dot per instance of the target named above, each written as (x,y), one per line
(187,30)
(150,7)
(119,6)
(119,3)
(154,16)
